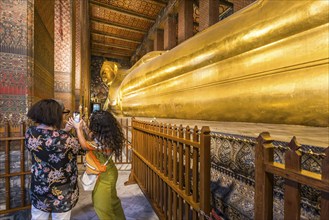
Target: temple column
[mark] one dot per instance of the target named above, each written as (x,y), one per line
(76,39)
(73,37)
(185,20)
(158,40)
(208,13)
(85,56)
(170,32)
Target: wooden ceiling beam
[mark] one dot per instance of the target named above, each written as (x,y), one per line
(111,56)
(114,36)
(123,11)
(158,2)
(111,52)
(123,27)
(113,46)
(113,26)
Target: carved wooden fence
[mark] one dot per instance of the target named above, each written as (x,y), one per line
(8,144)
(126,152)
(172,166)
(294,176)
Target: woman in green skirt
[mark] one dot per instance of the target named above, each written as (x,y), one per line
(108,139)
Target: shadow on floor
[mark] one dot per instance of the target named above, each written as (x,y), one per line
(134,203)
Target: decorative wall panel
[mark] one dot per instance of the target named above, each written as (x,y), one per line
(77,45)
(13,34)
(63,36)
(77,52)
(63,52)
(233,174)
(98,90)
(15,60)
(16,68)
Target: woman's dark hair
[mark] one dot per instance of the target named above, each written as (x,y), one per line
(48,112)
(107,130)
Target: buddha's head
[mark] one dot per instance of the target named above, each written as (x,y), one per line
(108,72)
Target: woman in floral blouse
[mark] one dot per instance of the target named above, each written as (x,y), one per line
(54,188)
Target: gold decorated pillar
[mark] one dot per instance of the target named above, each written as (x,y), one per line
(76,38)
(85,55)
(42,80)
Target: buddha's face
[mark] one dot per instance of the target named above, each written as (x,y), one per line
(108,72)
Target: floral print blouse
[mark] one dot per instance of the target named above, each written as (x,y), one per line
(54,169)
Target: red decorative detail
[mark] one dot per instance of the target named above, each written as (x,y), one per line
(215,216)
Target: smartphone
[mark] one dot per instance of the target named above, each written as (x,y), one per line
(76,116)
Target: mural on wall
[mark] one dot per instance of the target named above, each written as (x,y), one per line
(98,90)
(15,60)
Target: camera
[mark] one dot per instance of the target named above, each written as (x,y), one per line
(76,117)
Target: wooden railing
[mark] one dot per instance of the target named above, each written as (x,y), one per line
(125,154)
(172,166)
(294,176)
(9,143)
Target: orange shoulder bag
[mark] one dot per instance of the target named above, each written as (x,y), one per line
(93,168)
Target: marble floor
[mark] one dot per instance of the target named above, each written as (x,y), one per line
(134,203)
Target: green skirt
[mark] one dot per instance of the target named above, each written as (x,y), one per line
(106,202)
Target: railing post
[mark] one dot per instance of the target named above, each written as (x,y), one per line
(7,166)
(131,178)
(205,171)
(195,168)
(325,195)
(180,171)
(263,200)
(187,171)
(22,162)
(292,188)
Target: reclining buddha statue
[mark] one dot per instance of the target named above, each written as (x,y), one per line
(267,63)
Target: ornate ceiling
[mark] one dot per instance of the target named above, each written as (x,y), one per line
(118,27)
